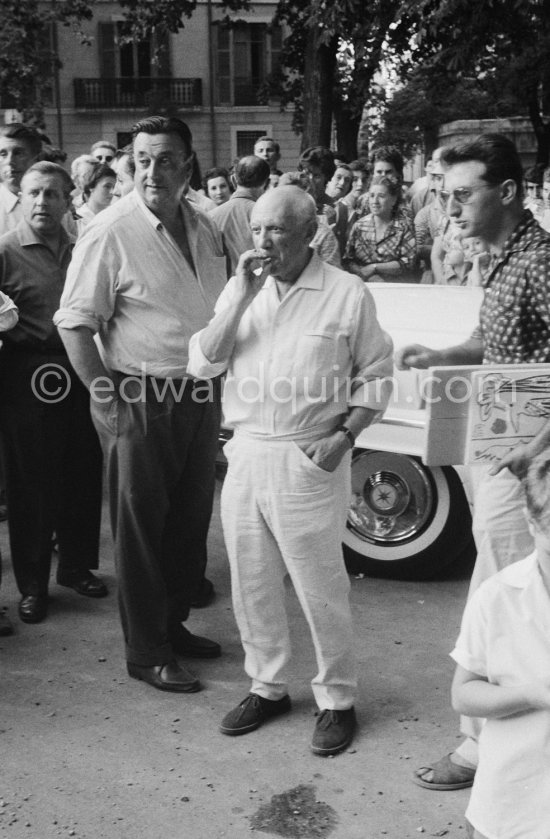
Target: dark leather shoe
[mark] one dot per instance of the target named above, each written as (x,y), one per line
(83,582)
(193,646)
(33,608)
(334,731)
(169,676)
(252,712)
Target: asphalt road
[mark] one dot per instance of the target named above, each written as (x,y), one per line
(87,752)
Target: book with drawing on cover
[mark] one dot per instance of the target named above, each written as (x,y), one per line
(508,406)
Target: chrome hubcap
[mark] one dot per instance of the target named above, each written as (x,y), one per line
(392,497)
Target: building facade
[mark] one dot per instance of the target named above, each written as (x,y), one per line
(210,74)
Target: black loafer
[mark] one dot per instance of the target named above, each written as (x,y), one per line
(252,712)
(83,582)
(193,646)
(33,608)
(333,732)
(169,676)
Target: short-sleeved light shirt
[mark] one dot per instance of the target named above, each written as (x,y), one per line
(505,637)
(130,284)
(233,221)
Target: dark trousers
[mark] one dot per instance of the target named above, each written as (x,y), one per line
(53,469)
(160,451)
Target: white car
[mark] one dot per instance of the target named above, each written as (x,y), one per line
(408,520)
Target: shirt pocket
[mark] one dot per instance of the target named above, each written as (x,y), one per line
(313,366)
(316,349)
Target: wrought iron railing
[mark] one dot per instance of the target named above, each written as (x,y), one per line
(93,94)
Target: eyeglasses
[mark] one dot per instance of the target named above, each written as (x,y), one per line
(464,195)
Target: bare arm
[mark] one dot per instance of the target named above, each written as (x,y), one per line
(387,269)
(416,355)
(84,357)
(218,338)
(474,696)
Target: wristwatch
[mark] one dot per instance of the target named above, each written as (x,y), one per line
(350,437)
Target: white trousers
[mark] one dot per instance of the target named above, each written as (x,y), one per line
(283,514)
(502,536)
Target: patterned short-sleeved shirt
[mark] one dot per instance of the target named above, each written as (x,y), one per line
(515,313)
(398,243)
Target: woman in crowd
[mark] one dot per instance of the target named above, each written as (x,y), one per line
(216,185)
(381,246)
(97,194)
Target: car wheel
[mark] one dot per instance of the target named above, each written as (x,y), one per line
(405,521)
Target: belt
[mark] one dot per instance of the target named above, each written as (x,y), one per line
(315,432)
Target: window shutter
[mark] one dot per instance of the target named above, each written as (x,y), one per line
(223,57)
(107,49)
(162,48)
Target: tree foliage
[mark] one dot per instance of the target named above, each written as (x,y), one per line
(141,17)
(27,54)
(505,44)
(316,80)
(455,59)
(413,116)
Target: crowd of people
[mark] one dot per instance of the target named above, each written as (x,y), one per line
(132,290)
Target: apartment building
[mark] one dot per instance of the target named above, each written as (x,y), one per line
(209,73)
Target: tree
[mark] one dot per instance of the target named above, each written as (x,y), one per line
(505,41)
(412,117)
(316,82)
(27,55)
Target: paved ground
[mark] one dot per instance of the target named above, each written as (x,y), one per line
(86,752)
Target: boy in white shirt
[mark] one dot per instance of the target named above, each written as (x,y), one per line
(503,674)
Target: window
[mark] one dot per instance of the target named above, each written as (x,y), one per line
(135,60)
(244,139)
(247,53)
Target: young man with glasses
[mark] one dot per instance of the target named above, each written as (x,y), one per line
(484,197)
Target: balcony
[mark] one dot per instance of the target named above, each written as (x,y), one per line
(120,93)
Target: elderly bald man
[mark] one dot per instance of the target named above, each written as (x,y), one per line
(305,360)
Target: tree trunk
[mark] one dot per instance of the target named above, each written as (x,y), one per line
(320,65)
(347,127)
(363,134)
(541,129)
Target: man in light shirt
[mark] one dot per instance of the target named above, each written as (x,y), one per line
(144,277)
(233,217)
(306,362)
(19,148)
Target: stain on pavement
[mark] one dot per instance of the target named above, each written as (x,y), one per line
(295,814)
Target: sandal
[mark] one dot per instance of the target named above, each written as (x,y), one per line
(446,775)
